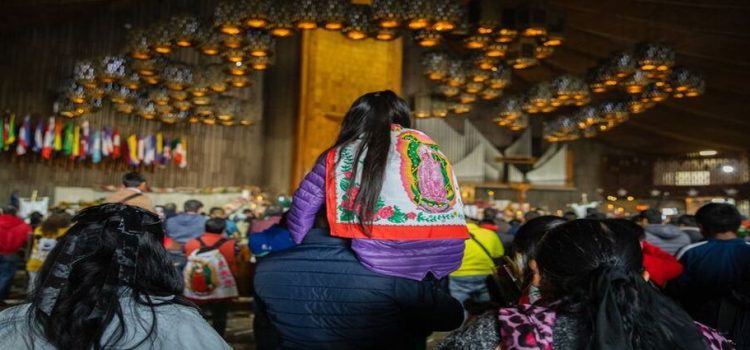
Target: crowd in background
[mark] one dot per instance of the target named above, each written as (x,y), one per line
(344,270)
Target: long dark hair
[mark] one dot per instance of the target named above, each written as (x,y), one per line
(593,270)
(370,118)
(74,312)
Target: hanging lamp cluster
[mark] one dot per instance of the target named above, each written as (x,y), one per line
(640,79)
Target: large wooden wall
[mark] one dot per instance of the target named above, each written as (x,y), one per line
(35,60)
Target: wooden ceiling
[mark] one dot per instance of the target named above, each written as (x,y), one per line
(711,37)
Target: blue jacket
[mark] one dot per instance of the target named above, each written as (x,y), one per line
(713,269)
(318,296)
(185,227)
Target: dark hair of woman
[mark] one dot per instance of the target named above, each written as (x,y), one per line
(369,119)
(594,272)
(526,241)
(55,222)
(111,250)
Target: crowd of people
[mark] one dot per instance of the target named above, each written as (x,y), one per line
(376,252)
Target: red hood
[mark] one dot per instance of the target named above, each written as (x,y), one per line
(8,222)
(13,234)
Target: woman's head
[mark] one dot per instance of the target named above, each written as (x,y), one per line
(54,223)
(593,269)
(526,241)
(369,119)
(111,249)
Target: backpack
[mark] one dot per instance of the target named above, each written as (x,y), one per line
(207,275)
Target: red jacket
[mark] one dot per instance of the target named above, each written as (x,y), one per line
(661,266)
(13,234)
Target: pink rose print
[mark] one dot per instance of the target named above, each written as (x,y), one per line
(411,216)
(349,203)
(348,174)
(384,213)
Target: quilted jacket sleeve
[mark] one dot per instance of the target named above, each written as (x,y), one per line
(307,201)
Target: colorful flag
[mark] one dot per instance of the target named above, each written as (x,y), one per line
(10,134)
(76,142)
(167,152)
(133,150)
(149,152)
(2,132)
(85,140)
(106,142)
(24,136)
(180,152)
(38,136)
(116,147)
(141,147)
(96,147)
(159,149)
(58,144)
(67,143)
(49,139)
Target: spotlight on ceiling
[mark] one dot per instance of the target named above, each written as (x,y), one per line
(708,153)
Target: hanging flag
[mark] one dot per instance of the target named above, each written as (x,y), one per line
(96,147)
(67,143)
(159,150)
(180,152)
(10,135)
(24,136)
(133,150)
(38,136)
(141,148)
(149,152)
(49,139)
(84,140)
(76,142)
(58,139)
(106,142)
(116,148)
(3,133)
(167,152)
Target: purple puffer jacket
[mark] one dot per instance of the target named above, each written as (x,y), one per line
(407,259)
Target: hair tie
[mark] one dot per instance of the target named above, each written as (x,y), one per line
(609,332)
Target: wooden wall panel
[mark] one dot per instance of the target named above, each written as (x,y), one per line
(36,60)
(335,71)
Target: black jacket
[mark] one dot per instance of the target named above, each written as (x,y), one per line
(318,296)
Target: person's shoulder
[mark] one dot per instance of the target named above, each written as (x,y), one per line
(690,249)
(13,315)
(187,329)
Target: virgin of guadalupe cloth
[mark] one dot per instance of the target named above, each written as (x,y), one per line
(419,200)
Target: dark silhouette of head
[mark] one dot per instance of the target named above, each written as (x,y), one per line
(192,206)
(370,118)
(10,210)
(133,179)
(215,225)
(716,218)
(685,220)
(651,216)
(594,270)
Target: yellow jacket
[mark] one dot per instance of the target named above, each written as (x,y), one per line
(475,261)
(37,257)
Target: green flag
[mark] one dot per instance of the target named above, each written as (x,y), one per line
(10,137)
(68,139)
